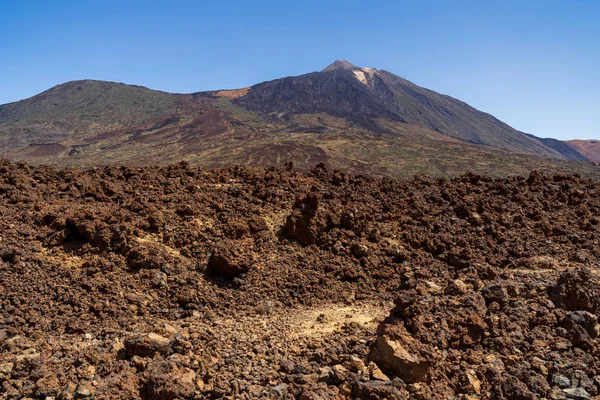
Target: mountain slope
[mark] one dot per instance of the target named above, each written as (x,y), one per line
(363,94)
(565,148)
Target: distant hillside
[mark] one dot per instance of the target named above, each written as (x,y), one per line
(564,148)
(75,110)
(589,148)
(88,100)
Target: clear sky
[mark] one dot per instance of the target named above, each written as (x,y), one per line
(534,64)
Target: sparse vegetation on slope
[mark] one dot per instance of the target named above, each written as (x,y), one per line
(358,119)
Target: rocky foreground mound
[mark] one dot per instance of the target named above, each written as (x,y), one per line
(182,283)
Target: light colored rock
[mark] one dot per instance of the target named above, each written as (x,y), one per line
(393,355)
(5,370)
(358,366)
(67,392)
(340,373)
(471,384)
(376,373)
(82,392)
(280,389)
(325,374)
(433,287)
(576,393)
(561,381)
(147,345)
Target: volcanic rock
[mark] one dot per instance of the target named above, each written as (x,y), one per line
(166,381)
(576,393)
(227,260)
(300,224)
(147,345)
(561,381)
(393,354)
(141,310)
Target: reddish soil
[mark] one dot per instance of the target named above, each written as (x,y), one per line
(233,94)
(44,150)
(183,283)
(589,148)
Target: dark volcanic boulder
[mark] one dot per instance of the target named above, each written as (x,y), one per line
(299,224)
(228,259)
(577,289)
(167,381)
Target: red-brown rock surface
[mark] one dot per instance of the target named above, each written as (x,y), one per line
(178,282)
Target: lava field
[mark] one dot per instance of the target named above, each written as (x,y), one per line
(177,282)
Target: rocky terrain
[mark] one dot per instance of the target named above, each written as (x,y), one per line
(178,282)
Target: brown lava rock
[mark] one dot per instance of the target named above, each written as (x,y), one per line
(228,259)
(147,345)
(180,282)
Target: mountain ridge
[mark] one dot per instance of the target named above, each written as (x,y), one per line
(100,122)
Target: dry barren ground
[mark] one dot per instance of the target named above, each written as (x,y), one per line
(183,283)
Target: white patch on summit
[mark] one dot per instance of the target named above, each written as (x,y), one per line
(360,76)
(364,75)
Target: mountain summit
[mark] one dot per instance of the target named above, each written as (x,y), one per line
(339,65)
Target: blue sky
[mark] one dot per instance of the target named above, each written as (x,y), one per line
(534,64)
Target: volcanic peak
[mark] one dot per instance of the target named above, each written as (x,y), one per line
(340,65)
